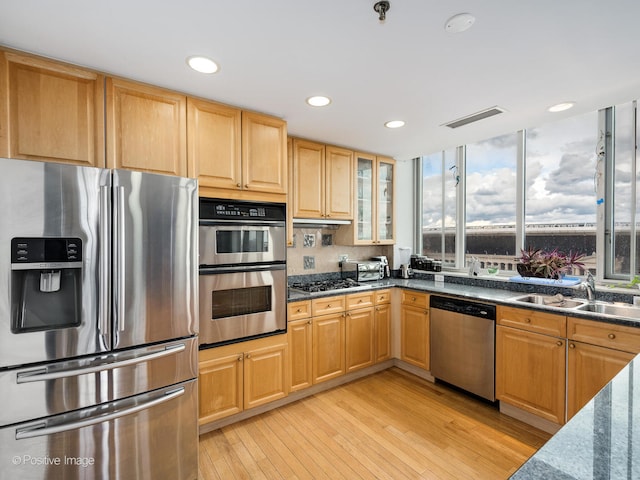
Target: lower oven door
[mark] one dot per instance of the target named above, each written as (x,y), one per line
(241,303)
(147,436)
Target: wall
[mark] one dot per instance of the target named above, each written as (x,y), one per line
(405,213)
(314,249)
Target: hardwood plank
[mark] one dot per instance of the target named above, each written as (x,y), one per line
(389,425)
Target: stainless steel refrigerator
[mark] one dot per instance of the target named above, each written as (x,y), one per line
(98,323)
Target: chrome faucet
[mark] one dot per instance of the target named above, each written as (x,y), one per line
(589,285)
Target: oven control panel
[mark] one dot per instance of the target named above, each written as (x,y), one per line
(212,210)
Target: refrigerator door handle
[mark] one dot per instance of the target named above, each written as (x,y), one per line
(104,266)
(119,224)
(41,375)
(40,429)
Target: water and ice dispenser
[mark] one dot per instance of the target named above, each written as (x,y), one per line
(46,283)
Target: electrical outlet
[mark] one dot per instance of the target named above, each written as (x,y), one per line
(439,278)
(343,258)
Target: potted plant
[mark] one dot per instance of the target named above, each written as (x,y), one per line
(535,262)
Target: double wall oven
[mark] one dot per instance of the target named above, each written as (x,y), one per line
(243,272)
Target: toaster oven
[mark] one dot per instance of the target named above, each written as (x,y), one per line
(362,271)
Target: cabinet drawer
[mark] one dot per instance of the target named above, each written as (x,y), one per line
(382,296)
(360,300)
(608,335)
(323,306)
(416,299)
(298,310)
(533,321)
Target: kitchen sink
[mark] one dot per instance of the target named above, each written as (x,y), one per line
(550,300)
(612,309)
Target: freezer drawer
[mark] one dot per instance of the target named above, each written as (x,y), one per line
(148,436)
(58,387)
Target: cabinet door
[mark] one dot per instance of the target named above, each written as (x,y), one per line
(385,226)
(365,199)
(530,372)
(339,183)
(414,344)
(50,111)
(328,347)
(590,368)
(220,387)
(360,345)
(213,144)
(308,179)
(146,128)
(265,375)
(382,333)
(264,153)
(300,333)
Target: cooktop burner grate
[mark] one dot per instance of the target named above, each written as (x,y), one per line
(325,285)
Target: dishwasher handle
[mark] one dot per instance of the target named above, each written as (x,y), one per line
(463,307)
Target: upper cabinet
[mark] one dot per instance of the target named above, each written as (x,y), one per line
(146,128)
(50,111)
(236,154)
(322,181)
(374,203)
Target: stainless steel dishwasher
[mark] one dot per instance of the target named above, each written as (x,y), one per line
(463,344)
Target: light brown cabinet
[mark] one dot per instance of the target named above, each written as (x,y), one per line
(50,111)
(146,128)
(597,352)
(236,377)
(328,347)
(414,328)
(300,334)
(530,366)
(360,331)
(382,300)
(322,181)
(374,217)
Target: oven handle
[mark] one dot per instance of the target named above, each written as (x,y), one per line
(242,268)
(41,375)
(40,430)
(231,223)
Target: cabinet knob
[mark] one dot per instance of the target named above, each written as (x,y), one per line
(612,336)
(360,301)
(248,355)
(239,358)
(329,305)
(299,310)
(527,320)
(572,345)
(238,185)
(246,186)
(559,343)
(413,299)
(309,322)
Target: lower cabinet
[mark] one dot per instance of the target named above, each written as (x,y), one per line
(328,347)
(382,325)
(360,331)
(414,329)
(530,372)
(233,378)
(300,345)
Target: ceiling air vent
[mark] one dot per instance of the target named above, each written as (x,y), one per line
(474,117)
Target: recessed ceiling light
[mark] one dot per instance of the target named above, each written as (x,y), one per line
(459,23)
(202,64)
(561,107)
(318,101)
(394,124)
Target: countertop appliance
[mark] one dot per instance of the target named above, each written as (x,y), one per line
(243,270)
(463,344)
(362,270)
(98,328)
(384,263)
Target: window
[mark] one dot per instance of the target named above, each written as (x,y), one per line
(439,180)
(571,185)
(491,192)
(560,197)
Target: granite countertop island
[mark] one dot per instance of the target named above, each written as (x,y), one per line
(602,441)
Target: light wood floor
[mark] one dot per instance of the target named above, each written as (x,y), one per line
(390,425)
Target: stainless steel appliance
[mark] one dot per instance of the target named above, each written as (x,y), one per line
(243,271)
(362,271)
(98,329)
(463,344)
(384,262)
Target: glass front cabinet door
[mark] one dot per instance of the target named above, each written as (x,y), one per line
(374,221)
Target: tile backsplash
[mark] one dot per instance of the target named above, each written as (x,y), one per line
(314,251)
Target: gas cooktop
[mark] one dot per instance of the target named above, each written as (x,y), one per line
(325,285)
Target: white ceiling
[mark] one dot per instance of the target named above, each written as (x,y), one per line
(520,55)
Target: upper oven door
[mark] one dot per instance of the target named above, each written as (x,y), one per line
(235,243)
(237,304)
